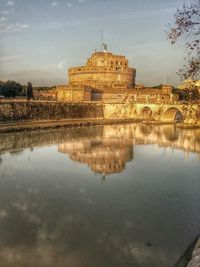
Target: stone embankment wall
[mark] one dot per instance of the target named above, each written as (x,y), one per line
(191,257)
(195,258)
(41,110)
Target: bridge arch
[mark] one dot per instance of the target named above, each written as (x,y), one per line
(172,114)
(146,113)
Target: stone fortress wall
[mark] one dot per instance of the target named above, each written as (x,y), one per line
(105,77)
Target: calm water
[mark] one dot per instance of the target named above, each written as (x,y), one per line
(104,196)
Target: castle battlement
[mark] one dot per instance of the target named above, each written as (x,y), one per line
(103,68)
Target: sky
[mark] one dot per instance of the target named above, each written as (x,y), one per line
(41,39)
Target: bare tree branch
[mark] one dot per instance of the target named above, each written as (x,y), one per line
(187,25)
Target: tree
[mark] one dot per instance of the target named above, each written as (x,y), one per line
(10,89)
(187,25)
(29,91)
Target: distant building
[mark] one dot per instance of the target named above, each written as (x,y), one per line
(152,94)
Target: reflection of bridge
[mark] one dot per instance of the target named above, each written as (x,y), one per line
(105,149)
(169,136)
(109,152)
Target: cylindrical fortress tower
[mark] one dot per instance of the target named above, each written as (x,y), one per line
(103,69)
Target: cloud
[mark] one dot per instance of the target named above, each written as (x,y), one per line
(62,64)
(55,3)
(31,72)
(9,58)
(81,1)
(18,27)
(10,3)
(69,4)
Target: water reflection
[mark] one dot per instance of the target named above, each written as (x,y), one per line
(108,153)
(54,213)
(105,149)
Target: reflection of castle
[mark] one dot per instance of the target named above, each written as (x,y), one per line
(109,152)
(105,149)
(106,154)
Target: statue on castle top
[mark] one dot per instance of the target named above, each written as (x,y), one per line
(105,47)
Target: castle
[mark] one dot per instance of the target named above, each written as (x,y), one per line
(108,78)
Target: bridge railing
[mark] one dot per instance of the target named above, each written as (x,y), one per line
(158,102)
(166,102)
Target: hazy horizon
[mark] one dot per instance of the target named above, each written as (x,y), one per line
(40,40)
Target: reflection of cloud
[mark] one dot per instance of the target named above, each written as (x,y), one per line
(3,213)
(142,253)
(69,4)
(3,19)
(10,3)
(4,12)
(55,3)
(18,27)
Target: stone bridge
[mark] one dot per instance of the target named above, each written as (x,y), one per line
(170,111)
(162,111)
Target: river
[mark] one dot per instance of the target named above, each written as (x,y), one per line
(102,196)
